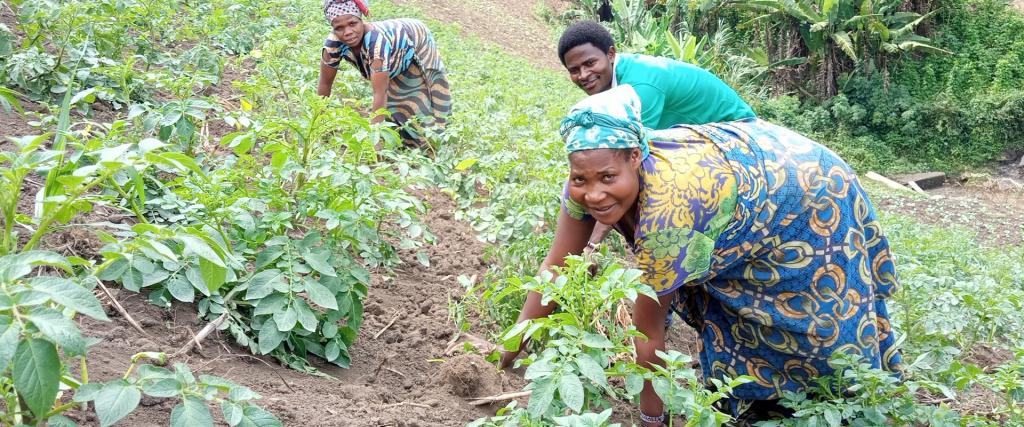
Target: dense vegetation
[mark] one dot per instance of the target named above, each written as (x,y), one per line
(256,205)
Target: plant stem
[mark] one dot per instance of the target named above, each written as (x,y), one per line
(60,409)
(45,224)
(132,200)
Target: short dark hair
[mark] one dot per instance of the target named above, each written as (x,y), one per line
(584,32)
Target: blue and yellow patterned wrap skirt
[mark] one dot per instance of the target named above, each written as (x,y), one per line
(773,250)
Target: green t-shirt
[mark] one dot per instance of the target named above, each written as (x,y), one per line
(676,93)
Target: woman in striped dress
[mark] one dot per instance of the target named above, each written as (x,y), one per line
(399,58)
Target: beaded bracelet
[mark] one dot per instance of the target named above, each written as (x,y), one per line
(652,419)
(592,246)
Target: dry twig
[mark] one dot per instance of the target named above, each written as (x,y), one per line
(418,405)
(210,327)
(394,371)
(499,398)
(381,331)
(120,309)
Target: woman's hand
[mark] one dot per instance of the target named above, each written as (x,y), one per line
(571,237)
(380,81)
(649,318)
(327,75)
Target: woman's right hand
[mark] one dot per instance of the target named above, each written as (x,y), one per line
(571,236)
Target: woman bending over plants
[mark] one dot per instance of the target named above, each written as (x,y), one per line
(761,239)
(398,57)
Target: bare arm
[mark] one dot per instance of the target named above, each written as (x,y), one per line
(379,80)
(570,239)
(649,319)
(327,75)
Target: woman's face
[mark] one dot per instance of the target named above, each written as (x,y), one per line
(605,181)
(348,29)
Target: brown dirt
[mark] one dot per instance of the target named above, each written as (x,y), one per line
(512,25)
(1017,4)
(469,375)
(391,379)
(990,207)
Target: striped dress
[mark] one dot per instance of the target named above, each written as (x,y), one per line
(418,96)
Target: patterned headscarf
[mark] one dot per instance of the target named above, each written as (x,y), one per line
(336,8)
(610,119)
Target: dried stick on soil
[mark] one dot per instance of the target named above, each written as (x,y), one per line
(394,371)
(210,327)
(499,398)
(120,309)
(418,405)
(381,331)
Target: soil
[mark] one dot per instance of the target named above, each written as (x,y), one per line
(401,378)
(989,206)
(513,25)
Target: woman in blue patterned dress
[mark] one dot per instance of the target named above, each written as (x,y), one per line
(761,239)
(398,57)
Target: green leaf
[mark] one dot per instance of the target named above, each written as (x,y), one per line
(634,384)
(570,390)
(591,370)
(212,273)
(270,337)
(161,249)
(465,164)
(36,374)
(329,329)
(71,295)
(87,392)
(540,399)
(58,328)
(318,260)
(241,393)
(306,316)
(285,319)
(833,417)
(268,256)
(167,387)
(262,284)
(199,247)
(60,421)
(254,416)
(596,341)
(332,351)
(192,412)
(844,42)
(232,412)
(116,399)
(320,294)
(181,289)
(9,332)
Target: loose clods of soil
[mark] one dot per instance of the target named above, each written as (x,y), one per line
(470,375)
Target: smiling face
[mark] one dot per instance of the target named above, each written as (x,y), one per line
(349,29)
(605,181)
(590,68)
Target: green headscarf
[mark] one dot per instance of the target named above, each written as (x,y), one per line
(610,119)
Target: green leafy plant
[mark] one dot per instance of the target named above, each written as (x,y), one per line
(36,325)
(682,393)
(115,399)
(575,352)
(863,396)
